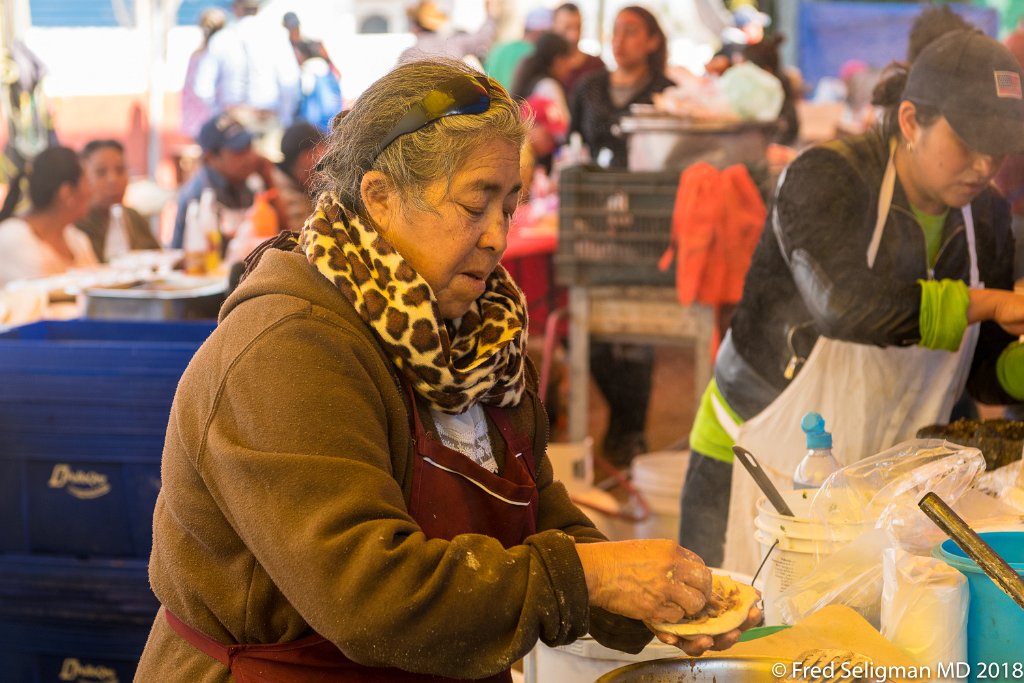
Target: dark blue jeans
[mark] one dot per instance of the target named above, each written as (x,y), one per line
(704,507)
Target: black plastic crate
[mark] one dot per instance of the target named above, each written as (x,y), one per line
(614,226)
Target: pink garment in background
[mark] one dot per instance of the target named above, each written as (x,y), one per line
(194,112)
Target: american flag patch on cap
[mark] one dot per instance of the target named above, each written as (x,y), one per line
(1008,84)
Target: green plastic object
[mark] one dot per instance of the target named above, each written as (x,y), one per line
(761,632)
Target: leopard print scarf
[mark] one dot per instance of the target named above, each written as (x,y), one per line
(482,362)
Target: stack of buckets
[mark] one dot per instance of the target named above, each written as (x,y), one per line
(801,541)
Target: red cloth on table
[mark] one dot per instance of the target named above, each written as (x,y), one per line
(529,259)
(716,225)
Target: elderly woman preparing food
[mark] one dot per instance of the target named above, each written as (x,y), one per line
(355,485)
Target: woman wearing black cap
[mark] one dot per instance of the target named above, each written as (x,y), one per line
(881,253)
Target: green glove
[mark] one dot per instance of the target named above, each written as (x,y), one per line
(1010,370)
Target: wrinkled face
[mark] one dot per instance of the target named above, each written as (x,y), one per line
(631,43)
(568,25)
(457,245)
(107,173)
(946,172)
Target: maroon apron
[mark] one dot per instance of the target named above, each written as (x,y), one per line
(451,495)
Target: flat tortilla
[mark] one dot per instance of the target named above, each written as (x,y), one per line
(725,610)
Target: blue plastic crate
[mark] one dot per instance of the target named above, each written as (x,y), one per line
(41,651)
(113,332)
(76,506)
(83,411)
(56,589)
(93,376)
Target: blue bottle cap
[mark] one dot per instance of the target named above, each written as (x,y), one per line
(813,425)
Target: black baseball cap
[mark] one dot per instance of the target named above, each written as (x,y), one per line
(975,82)
(223,132)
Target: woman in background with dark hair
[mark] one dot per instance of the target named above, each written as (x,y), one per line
(538,81)
(44,240)
(103,163)
(602,98)
(622,371)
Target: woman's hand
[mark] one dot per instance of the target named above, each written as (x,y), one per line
(697,646)
(654,580)
(1005,308)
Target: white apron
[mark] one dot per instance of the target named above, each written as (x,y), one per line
(871,398)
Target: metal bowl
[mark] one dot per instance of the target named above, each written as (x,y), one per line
(696,670)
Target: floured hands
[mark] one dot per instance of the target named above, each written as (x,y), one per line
(654,580)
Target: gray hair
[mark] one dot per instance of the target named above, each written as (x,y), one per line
(416,159)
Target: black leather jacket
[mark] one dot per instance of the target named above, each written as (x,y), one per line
(596,118)
(809,275)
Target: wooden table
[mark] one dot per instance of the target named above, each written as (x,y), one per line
(640,315)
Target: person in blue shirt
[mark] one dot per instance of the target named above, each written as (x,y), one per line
(228,160)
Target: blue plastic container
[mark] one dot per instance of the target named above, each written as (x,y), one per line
(83,411)
(65,619)
(66,589)
(86,652)
(995,623)
(93,377)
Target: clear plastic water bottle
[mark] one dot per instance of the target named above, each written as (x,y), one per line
(818,463)
(116,243)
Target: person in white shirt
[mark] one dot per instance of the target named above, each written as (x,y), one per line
(43,241)
(250,72)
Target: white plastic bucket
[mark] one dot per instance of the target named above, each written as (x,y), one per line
(802,541)
(659,478)
(802,524)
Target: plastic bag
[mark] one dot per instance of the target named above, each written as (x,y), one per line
(752,92)
(885,489)
(924,607)
(851,576)
(882,490)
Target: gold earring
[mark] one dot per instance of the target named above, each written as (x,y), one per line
(910,146)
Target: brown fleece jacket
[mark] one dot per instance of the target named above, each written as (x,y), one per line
(283,508)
